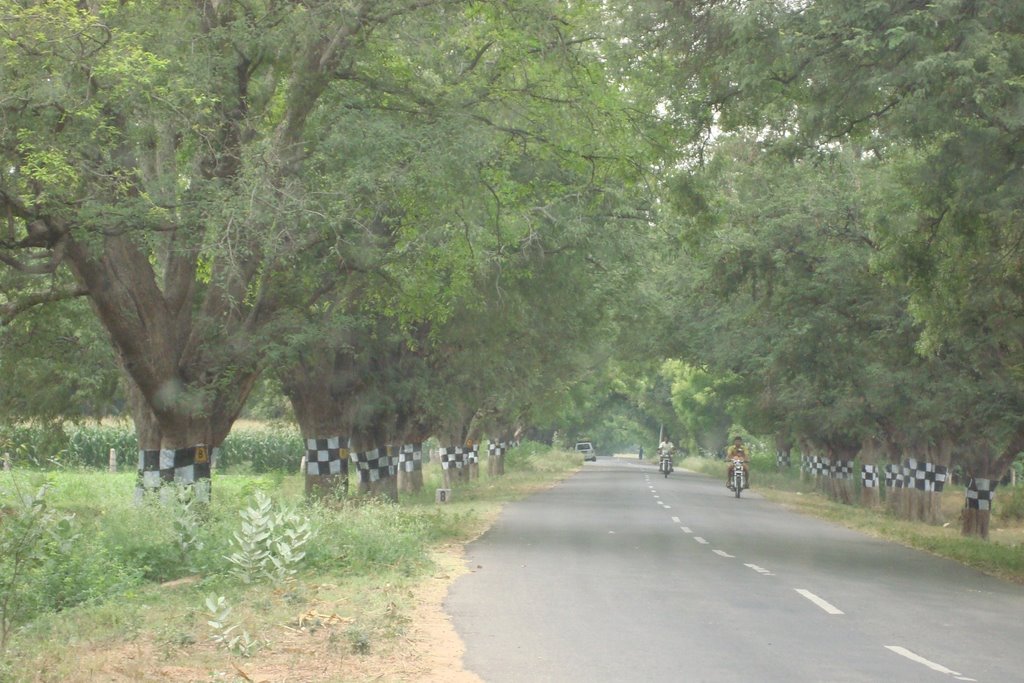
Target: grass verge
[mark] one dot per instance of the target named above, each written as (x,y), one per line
(351,612)
(1002,555)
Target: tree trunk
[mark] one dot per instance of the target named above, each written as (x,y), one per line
(916,497)
(783,452)
(182,453)
(978,507)
(410,468)
(147,432)
(327,467)
(930,479)
(893,474)
(504,444)
(320,386)
(842,475)
(472,451)
(453,466)
(378,470)
(184,394)
(496,457)
(984,470)
(901,501)
(327,461)
(824,474)
(870,479)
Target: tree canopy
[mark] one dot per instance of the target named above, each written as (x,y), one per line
(798,218)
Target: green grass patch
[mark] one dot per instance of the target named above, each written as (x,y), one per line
(1002,555)
(112,576)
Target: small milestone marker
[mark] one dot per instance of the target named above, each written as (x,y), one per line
(443,495)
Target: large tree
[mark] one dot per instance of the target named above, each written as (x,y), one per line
(207,183)
(930,92)
(165,170)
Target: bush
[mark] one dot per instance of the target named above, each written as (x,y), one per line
(50,561)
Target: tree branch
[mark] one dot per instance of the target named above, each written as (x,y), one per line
(11,310)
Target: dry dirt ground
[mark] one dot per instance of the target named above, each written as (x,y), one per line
(428,650)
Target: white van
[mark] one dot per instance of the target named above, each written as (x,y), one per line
(587,449)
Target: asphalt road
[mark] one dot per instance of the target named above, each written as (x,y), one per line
(618,574)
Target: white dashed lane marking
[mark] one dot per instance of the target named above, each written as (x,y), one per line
(828,607)
(700,540)
(904,652)
(760,570)
(722,553)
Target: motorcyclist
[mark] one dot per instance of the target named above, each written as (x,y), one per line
(737,451)
(665,449)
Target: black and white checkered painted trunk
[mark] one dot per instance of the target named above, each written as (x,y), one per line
(842,469)
(185,466)
(893,476)
(452,457)
(922,476)
(928,476)
(472,455)
(869,476)
(822,466)
(782,459)
(375,465)
(496,449)
(410,457)
(327,457)
(980,493)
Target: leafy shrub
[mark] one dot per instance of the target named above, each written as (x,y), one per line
(50,562)
(270,542)
(148,538)
(221,629)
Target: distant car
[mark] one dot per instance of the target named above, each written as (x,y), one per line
(587,449)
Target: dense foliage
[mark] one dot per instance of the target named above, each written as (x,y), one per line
(605,220)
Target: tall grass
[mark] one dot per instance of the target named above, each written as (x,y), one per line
(251,447)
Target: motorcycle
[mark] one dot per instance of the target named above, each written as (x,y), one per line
(665,464)
(738,482)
